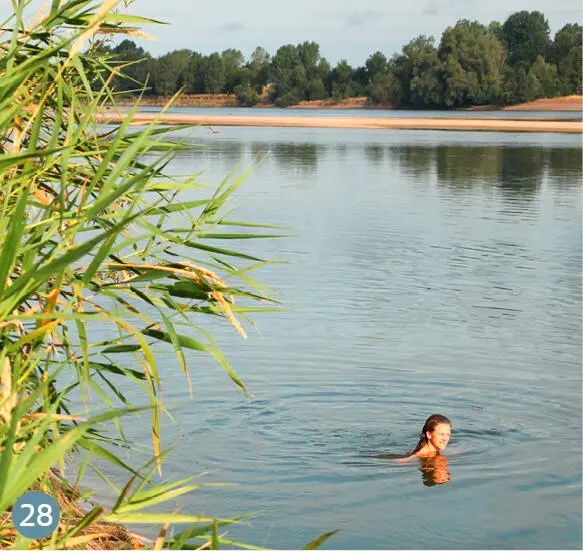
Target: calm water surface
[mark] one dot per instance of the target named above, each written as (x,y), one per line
(372,113)
(428,272)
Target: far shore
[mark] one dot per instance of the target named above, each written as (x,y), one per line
(438,123)
(572,103)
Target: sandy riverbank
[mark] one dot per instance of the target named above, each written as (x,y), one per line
(563,103)
(450,124)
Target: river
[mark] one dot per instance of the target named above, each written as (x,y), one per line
(427,272)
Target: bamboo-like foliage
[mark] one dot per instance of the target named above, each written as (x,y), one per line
(102,255)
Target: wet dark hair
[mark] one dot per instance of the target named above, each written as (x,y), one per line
(430,425)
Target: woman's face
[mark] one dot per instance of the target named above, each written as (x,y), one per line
(439,437)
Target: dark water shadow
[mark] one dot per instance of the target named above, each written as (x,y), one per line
(565,167)
(292,157)
(416,161)
(516,171)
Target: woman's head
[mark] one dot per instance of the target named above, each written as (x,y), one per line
(436,431)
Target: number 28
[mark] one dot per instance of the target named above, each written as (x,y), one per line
(44,517)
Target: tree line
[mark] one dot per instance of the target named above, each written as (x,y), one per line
(473,64)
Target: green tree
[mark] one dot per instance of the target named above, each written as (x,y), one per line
(472,59)
(214,74)
(233,61)
(341,80)
(528,87)
(246,95)
(565,53)
(289,75)
(244,76)
(509,90)
(546,77)
(360,77)
(388,88)
(374,78)
(309,54)
(168,71)
(418,72)
(382,89)
(260,68)
(475,64)
(260,57)
(316,70)
(192,76)
(316,89)
(495,28)
(376,66)
(135,62)
(527,36)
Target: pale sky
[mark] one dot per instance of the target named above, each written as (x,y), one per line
(344,28)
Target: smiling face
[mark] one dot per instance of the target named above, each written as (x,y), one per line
(439,437)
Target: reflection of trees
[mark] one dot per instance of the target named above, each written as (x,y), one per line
(418,161)
(291,157)
(517,171)
(565,166)
(260,148)
(341,150)
(296,157)
(375,154)
(522,169)
(461,167)
(513,169)
(232,152)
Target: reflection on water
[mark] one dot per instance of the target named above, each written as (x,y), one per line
(416,161)
(288,156)
(522,169)
(564,165)
(428,273)
(296,157)
(459,167)
(434,470)
(374,153)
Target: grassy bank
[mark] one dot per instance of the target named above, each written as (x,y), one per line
(100,535)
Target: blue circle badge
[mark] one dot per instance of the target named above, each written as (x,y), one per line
(36,515)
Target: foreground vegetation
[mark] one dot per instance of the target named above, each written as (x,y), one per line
(473,65)
(104,260)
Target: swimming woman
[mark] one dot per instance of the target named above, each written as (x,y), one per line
(433,438)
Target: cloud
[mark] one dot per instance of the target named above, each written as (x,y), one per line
(232,26)
(435,6)
(360,19)
(431,9)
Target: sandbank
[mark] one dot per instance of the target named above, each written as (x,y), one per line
(445,124)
